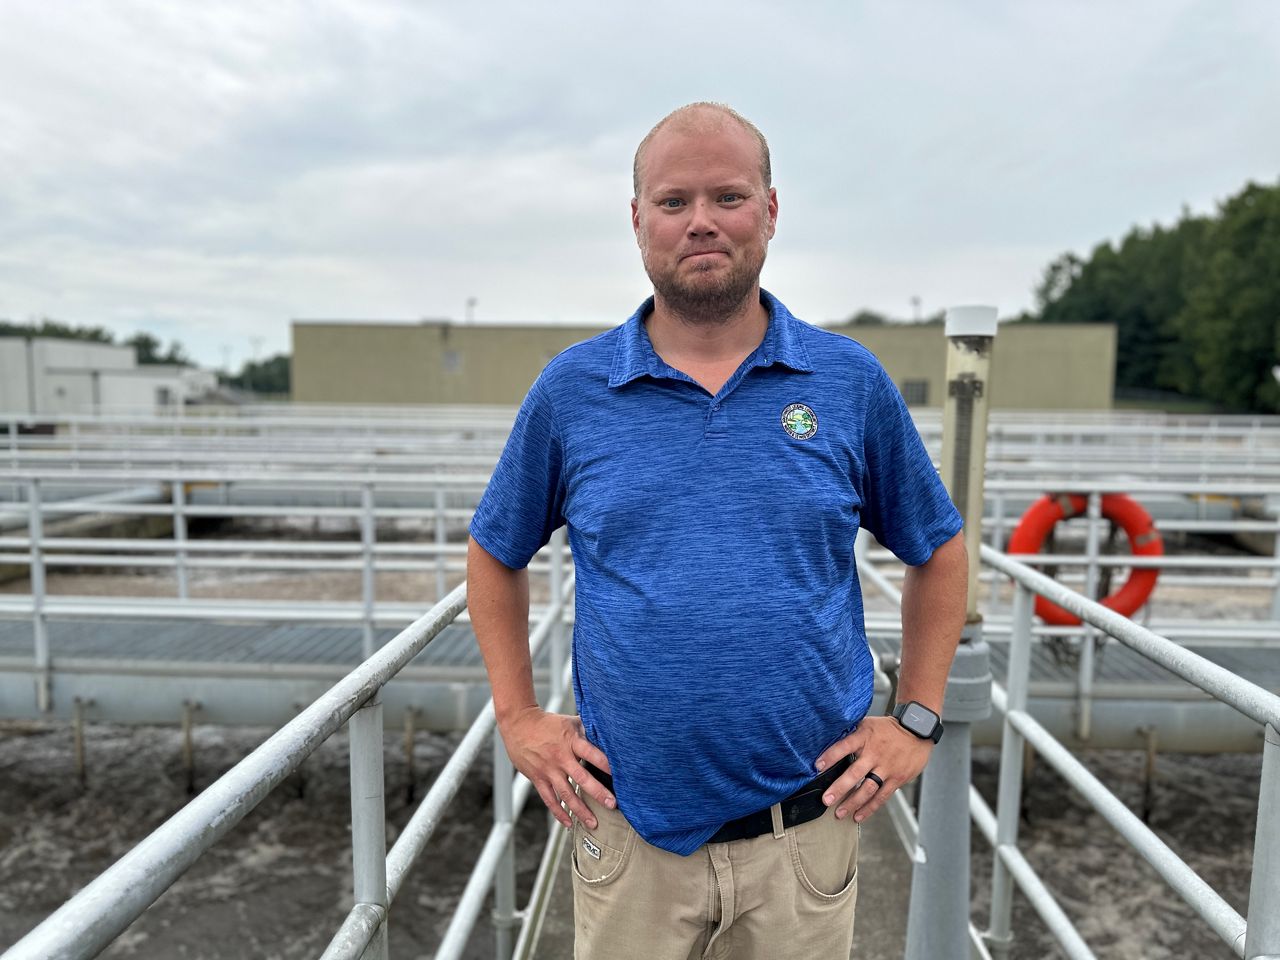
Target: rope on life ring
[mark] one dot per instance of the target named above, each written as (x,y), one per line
(1125,512)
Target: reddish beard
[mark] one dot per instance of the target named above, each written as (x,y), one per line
(706,294)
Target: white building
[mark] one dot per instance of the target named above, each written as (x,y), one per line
(53,375)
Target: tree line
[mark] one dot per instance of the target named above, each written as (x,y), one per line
(1196,305)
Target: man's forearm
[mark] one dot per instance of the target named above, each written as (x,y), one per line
(498,598)
(933,610)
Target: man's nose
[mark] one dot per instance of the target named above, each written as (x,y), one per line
(702,220)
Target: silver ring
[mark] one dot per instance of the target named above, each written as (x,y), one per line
(874,779)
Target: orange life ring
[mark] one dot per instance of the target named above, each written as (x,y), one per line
(1127,513)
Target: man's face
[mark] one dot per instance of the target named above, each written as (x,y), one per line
(704,217)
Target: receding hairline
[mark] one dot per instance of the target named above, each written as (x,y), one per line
(703,115)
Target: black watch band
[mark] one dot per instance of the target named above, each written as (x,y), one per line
(918,719)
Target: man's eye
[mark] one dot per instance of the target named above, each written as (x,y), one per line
(730,197)
(672,202)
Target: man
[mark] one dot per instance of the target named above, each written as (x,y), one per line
(713,458)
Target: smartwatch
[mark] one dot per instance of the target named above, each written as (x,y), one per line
(916,718)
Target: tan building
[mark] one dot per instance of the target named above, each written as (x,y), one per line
(1036,366)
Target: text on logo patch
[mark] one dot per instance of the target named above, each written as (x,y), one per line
(799,421)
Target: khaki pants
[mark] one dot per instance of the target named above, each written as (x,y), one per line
(780,895)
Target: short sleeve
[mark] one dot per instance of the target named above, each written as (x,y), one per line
(905,504)
(524,502)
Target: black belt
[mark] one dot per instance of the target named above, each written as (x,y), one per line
(801,807)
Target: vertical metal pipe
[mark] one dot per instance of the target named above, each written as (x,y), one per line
(559,635)
(180,536)
(189,708)
(1151,736)
(938,916)
(999,936)
(504,878)
(938,919)
(997,542)
(410,715)
(1262,936)
(368,817)
(13,455)
(970,336)
(44,659)
(77,739)
(1088,642)
(366,553)
(441,540)
(1275,573)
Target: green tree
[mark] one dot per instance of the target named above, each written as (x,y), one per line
(1139,286)
(1230,323)
(269,376)
(1196,305)
(867,318)
(53,328)
(148,350)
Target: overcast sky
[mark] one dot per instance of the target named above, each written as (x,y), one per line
(210,171)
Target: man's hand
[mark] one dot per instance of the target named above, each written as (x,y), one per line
(545,747)
(880,746)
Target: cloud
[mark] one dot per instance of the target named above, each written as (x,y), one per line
(211,171)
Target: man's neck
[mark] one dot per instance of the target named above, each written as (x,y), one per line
(707,341)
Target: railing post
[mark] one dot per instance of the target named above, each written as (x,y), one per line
(366,571)
(558,641)
(1088,642)
(938,917)
(999,935)
(13,455)
(505,918)
(1262,936)
(39,626)
(441,540)
(368,818)
(180,536)
(1275,572)
(1271,510)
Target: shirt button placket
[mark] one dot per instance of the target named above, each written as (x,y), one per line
(715,420)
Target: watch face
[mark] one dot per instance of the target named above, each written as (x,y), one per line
(919,720)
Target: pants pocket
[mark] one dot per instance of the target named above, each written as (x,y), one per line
(824,853)
(600,855)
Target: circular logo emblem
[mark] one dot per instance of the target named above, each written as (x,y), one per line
(799,421)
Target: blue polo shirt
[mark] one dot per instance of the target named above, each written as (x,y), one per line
(718,646)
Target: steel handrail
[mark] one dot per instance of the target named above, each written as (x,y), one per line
(90,920)
(1248,698)
(1257,937)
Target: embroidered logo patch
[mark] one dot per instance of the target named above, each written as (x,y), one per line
(590,846)
(799,421)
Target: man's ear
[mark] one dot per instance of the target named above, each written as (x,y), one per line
(635,216)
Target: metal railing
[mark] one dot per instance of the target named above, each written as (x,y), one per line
(445,502)
(90,920)
(1258,937)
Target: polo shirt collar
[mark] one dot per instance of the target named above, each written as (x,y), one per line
(635,357)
